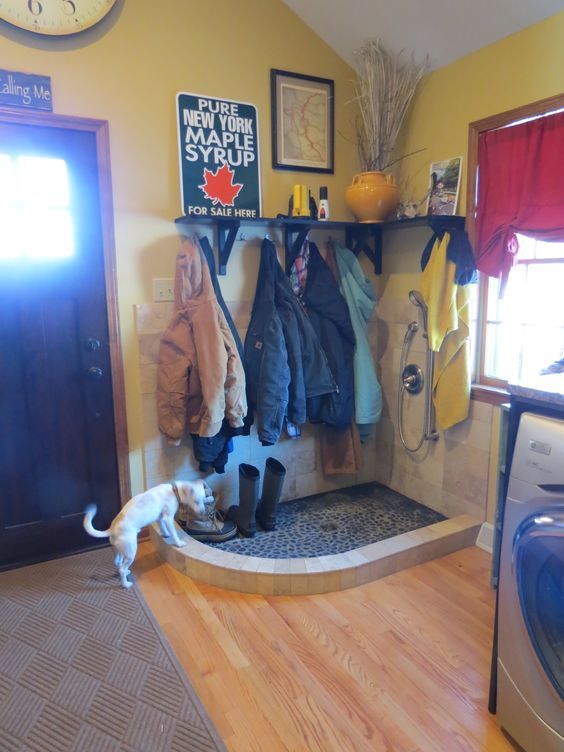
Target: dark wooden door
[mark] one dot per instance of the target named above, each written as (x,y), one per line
(57,431)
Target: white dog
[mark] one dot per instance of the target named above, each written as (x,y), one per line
(157,504)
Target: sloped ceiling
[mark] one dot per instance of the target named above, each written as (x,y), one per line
(446,30)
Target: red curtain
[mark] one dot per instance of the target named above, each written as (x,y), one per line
(520,190)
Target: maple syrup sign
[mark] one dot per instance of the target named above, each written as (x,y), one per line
(219,157)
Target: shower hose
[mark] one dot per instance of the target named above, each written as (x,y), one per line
(428,433)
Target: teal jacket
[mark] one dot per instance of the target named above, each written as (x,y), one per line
(361,300)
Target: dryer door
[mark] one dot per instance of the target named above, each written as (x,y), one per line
(538,568)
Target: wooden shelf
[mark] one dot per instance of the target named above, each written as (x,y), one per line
(366,237)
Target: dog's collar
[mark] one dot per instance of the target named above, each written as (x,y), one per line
(176,493)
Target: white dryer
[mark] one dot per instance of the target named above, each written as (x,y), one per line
(530,663)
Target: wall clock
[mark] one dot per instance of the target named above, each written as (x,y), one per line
(54,17)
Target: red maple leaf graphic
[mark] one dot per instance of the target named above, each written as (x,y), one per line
(219,186)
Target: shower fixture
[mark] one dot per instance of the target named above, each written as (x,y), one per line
(413,380)
(416,298)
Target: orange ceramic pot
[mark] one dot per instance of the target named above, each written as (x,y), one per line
(372,196)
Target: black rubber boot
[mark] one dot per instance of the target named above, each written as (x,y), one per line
(274,475)
(244,514)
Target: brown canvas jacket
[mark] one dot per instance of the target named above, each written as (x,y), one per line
(200,378)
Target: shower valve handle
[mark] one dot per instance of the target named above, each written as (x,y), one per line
(412,379)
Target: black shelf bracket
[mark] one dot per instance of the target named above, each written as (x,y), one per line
(295,234)
(367,238)
(226,233)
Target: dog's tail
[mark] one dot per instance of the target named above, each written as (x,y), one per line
(89,514)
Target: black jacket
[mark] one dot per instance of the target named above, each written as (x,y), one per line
(312,375)
(284,362)
(245,430)
(459,252)
(212,452)
(329,314)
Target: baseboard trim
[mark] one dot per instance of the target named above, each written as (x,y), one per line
(485,537)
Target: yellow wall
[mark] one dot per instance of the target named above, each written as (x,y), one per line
(128,71)
(519,69)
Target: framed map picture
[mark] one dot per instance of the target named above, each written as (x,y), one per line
(302,122)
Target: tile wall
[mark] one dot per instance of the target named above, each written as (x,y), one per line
(450,476)
(301,457)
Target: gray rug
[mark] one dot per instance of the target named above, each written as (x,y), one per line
(84,666)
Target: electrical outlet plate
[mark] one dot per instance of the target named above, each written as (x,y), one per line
(163,289)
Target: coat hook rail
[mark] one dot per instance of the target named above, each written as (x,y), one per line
(366,238)
(226,234)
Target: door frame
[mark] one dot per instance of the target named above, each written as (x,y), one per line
(100,129)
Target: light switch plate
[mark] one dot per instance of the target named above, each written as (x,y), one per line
(163,289)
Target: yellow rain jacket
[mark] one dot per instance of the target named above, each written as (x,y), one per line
(448,330)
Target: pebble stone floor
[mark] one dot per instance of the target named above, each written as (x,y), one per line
(335,522)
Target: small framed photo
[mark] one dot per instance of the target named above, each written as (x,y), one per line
(302,122)
(444,187)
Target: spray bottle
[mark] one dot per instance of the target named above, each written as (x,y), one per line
(323,203)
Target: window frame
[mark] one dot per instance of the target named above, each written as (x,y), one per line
(486,388)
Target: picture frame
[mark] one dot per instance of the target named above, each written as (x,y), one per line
(303,117)
(444,187)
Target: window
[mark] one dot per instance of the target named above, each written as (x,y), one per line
(519,322)
(35,216)
(523,330)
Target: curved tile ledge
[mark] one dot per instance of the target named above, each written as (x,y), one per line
(320,574)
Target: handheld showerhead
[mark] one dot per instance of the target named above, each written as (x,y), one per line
(417,299)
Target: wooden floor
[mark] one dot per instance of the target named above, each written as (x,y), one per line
(400,664)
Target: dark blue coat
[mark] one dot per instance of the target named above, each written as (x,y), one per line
(329,314)
(284,362)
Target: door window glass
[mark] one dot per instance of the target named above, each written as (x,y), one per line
(540,579)
(35,215)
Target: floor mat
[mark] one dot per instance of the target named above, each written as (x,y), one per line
(335,522)
(84,666)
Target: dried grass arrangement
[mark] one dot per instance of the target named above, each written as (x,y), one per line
(384,88)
